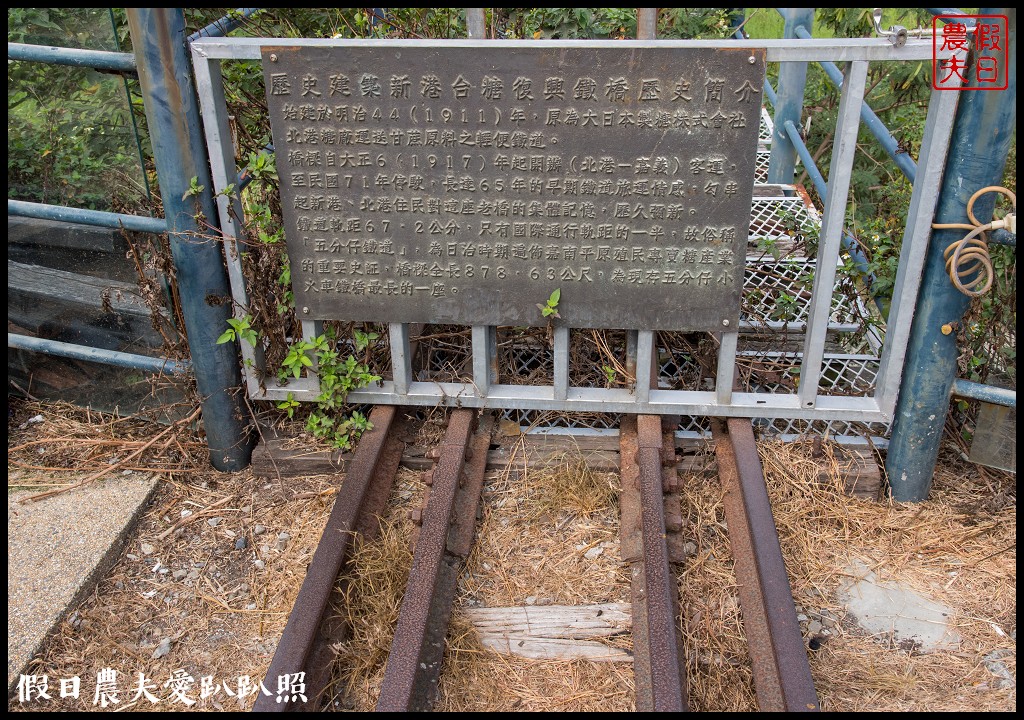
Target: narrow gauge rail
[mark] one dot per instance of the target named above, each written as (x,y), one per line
(650,528)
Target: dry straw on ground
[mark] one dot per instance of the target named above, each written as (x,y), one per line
(225,615)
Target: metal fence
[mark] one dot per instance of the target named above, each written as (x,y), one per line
(849,374)
(823,313)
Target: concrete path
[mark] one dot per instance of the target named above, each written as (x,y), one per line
(57,549)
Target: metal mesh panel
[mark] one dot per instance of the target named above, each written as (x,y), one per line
(761,164)
(766,128)
(780,292)
(531,419)
(524,356)
(443,354)
(773,372)
(780,218)
(597,358)
(678,368)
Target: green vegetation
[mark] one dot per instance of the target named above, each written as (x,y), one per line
(549,309)
(71,141)
(71,132)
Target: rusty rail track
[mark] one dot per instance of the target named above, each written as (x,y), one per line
(652,535)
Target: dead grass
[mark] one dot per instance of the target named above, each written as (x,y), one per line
(957,548)
(373,586)
(531,547)
(225,616)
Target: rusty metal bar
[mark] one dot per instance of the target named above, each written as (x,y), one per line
(368,470)
(782,674)
(658,659)
(413,667)
(646,23)
(476,23)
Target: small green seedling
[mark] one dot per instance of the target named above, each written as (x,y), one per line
(288,405)
(194,188)
(550,308)
(240,329)
(609,374)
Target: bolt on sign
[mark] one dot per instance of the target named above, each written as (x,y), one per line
(464,183)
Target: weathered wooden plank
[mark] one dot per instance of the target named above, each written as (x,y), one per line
(571,622)
(277,455)
(554,632)
(61,286)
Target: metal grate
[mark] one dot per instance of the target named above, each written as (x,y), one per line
(764,155)
(773,372)
(766,128)
(777,293)
(781,218)
(447,357)
(524,356)
(543,419)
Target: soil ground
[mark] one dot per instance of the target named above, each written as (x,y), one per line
(235,548)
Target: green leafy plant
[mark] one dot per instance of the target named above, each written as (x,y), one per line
(549,309)
(609,374)
(338,377)
(194,188)
(240,329)
(289,405)
(364,340)
(296,360)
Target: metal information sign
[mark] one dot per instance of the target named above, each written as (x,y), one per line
(463,183)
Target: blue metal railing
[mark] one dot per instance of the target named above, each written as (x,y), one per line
(860,261)
(96,59)
(902,159)
(96,218)
(224,25)
(100,355)
(164,71)
(986,393)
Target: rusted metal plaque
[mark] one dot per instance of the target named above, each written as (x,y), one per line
(464,183)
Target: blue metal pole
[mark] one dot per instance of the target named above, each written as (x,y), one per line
(224,25)
(98,59)
(903,160)
(982,135)
(158,35)
(100,355)
(790,101)
(96,218)
(985,393)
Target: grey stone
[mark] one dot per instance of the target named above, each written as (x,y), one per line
(814,627)
(282,540)
(993,663)
(164,648)
(241,543)
(593,553)
(214,522)
(888,609)
(147,549)
(258,529)
(260,565)
(180,574)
